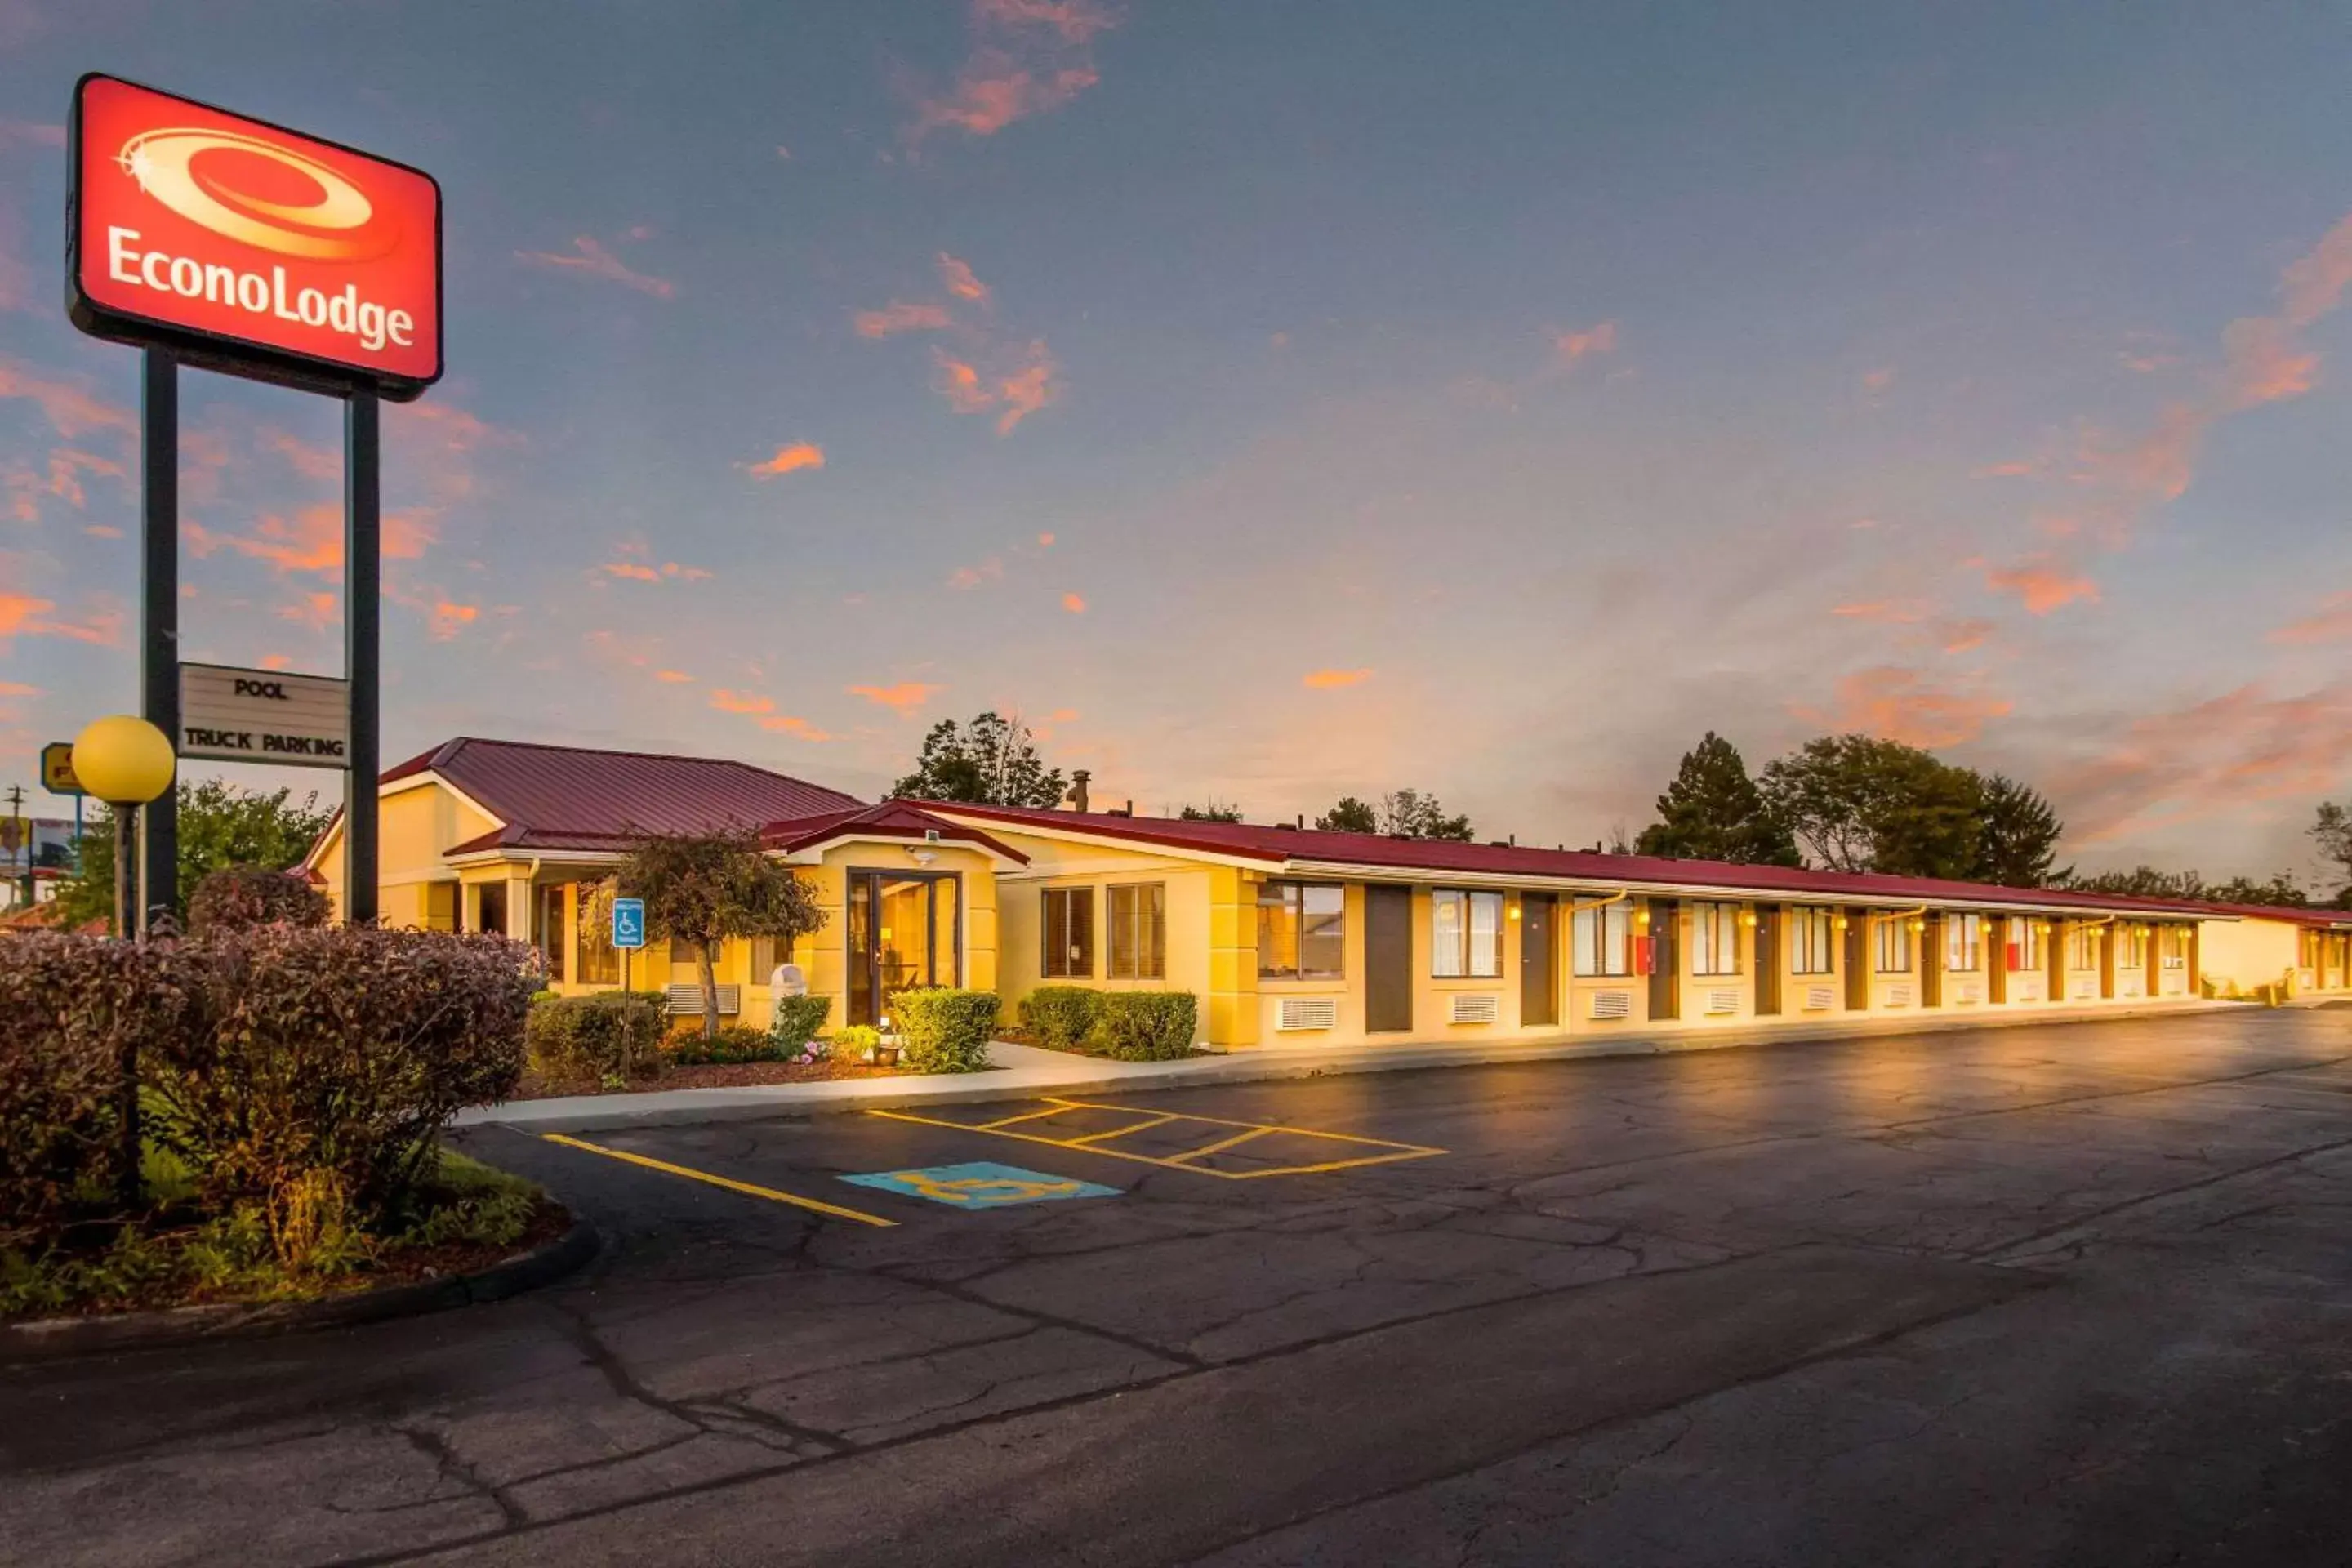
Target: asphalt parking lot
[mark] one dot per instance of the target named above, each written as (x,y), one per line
(2066,1294)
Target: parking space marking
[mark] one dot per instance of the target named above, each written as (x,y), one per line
(814,1205)
(982,1185)
(1389,1151)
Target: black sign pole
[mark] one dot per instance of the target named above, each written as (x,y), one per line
(159,594)
(363,621)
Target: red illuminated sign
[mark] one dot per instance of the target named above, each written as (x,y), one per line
(247,247)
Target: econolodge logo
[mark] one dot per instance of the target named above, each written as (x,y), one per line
(200,222)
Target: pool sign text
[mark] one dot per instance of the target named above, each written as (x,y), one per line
(263,716)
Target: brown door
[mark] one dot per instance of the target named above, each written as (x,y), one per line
(1538,984)
(1857,961)
(2057,955)
(1931,962)
(1666,959)
(1996,947)
(1767,959)
(1388,959)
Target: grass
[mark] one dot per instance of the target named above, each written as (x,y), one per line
(463,1216)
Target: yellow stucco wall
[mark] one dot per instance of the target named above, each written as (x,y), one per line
(414,825)
(2247,953)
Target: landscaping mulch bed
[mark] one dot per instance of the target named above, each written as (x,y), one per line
(711,1075)
(408,1266)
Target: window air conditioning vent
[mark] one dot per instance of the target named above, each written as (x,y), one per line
(2132,987)
(2022,990)
(1308,1013)
(1968,990)
(1722,1000)
(2083,988)
(686,999)
(1612,1005)
(1482,1008)
(1818,998)
(1898,995)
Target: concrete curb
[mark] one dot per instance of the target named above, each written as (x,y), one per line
(50,1338)
(697,1107)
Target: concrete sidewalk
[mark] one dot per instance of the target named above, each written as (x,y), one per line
(1024,1072)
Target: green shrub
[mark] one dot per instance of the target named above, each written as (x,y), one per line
(68,1006)
(855,1039)
(238,897)
(341,1052)
(797,1020)
(944,1029)
(1061,1016)
(606,1037)
(1145,1025)
(689,1047)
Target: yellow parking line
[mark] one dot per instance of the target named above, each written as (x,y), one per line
(1394,1150)
(1221,1144)
(1147,1123)
(1058,1108)
(1267,1126)
(814,1205)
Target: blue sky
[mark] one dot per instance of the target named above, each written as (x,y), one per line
(1274,401)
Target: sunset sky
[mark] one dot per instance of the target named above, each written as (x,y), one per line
(1274,401)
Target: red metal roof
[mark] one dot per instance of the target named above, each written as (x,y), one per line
(1281,846)
(891,820)
(572,797)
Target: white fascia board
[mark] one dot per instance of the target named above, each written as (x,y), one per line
(1132,844)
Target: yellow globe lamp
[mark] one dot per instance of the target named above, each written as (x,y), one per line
(125,762)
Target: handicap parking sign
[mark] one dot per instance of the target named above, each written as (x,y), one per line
(981,1185)
(628,922)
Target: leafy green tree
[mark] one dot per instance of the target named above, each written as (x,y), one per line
(1349,814)
(1215,811)
(1859,804)
(2016,834)
(2333,832)
(222,827)
(2279,889)
(701,888)
(1713,811)
(993,761)
(2139,882)
(1409,814)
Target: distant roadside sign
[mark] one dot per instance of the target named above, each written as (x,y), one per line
(56,769)
(263,716)
(628,922)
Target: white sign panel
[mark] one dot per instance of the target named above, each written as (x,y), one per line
(263,716)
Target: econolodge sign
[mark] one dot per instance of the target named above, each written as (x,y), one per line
(247,247)
(263,716)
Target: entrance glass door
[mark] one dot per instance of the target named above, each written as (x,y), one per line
(903,933)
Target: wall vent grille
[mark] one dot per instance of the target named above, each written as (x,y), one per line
(1898,995)
(1308,1013)
(1482,1008)
(1612,1005)
(1722,1000)
(1818,998)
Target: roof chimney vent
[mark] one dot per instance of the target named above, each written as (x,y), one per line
(1078,789)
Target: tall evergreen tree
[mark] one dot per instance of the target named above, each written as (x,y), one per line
(1349,814)
(2016,834)
(1713,811)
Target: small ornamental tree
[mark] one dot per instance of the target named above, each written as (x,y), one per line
(700,888)
(1409,814)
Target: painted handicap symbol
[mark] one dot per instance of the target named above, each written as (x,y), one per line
(981,1185)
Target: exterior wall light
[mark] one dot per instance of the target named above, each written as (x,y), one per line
(1919,925)
(1747,917)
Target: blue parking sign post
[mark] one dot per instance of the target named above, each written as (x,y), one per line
(628,932)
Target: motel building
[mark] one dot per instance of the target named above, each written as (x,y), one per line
(1288,936)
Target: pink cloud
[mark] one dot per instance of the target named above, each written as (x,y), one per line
(1570,347)
(67,464)
(2210,757)
(903,698)
(22,615)
(1075,20)
(71,409)
(1900,612)
(993,90)
(1012,394)
(1074,603)
(957,277)
(2332,622)
(728,701)
(787,724)
(1964,637)
(1333,680)
(449,618)
(672,677)
(2042,583)
(2265,363)
(2312,285)
(310,462)
(1897,704)
(969,577)
(276,661)
(593,261)
(315,611)
(899,316)
(791,459)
